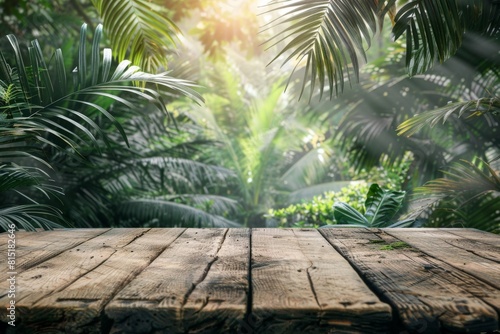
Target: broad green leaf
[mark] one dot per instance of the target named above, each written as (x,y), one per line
(381,205)
(346,214)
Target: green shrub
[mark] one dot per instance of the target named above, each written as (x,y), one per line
(319,211)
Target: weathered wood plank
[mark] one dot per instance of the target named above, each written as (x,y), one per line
(476,258)
(301,284)
(154,300)
(484,291)
(33,248)
(59,272)
(77,308)
(427,294)
(219,302)
(476,235)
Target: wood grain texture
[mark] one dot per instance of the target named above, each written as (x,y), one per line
(153,301)
(474,257)
(33,248)
(219,302)
(428,294)
(76,308)
(59,272)
(301,284)
(254,281)
(476,235)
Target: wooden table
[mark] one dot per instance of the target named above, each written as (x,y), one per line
(253,281)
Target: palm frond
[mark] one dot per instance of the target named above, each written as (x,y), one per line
(138,31)
(25,185)
(434,30)
(51,104)
(329,36)
(13,177)
(30,216)
(158,212)
(432,117)
(462,178)
(46,116)
(469,196)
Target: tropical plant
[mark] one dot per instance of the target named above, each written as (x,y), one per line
(331,35)
(255,153)
(379,209)
(139,31)
(154,182)
(318,211)
(274,152)
(68,129)
(463,35)
(468,196)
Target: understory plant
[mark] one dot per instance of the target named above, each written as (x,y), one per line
(380,208)
(356,205)
(319,211)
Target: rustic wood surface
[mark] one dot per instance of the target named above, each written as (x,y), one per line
(339,280)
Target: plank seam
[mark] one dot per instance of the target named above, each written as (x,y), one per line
(90,270)
(106,322)
(482,242)
(471,251)
(396,320)
(247,320)
(205,274)
(136,237)
(35,262)
(147,265)
(68,283)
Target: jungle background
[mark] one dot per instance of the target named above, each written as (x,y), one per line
(218,113)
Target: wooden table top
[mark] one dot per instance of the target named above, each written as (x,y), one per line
(337,280)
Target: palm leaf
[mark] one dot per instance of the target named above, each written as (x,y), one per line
(346,215)
(91,85)
(381,205)
(434,29)
(158,212)
(138,31)
(463,177)
(469,196)
(45,116)
(432,117)
(22,184)
(330,36)
(14,181)
(30,216)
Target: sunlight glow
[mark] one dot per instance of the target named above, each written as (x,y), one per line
(233,5)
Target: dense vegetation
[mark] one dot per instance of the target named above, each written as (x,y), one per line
(203,113)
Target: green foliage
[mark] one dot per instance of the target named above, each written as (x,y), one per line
(473,108)
(138,31)
(434,30)
(16,184)
(319,211)
(380,207)
(468,196)
(330,36)
(261,137)
(60,134)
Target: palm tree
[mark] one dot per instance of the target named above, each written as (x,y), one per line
(262,138)
(50,124)
(328,38)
